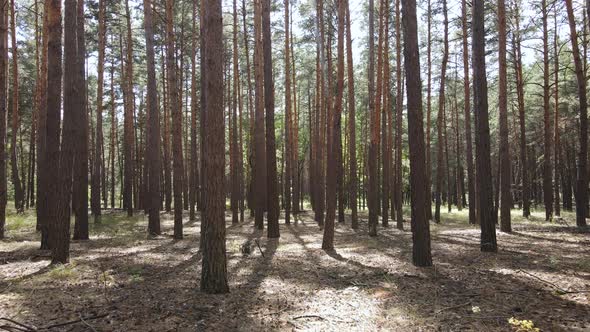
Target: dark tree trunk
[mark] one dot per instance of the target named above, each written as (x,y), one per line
(19,196)
(483,162)
(506,199)
(128,130)
(421,255)
(260,174)
(3,111)
(176,109)
(153,150)
(353,177)
(80,190)
(582,177)
(469,156)
(547,174)
(98,151)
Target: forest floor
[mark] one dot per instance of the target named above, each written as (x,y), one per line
(540,275)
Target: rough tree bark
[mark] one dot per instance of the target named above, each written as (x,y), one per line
(97,167)
(469,143)
(582,178)
(153,150)
(505,177)
(19,196)
(480,101)
(214,264)
(421,255)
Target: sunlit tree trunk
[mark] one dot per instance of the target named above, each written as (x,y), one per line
(98,153)
(16,181)
(505,178)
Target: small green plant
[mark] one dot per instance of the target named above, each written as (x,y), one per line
(62,272)
(523,325)
(135,273)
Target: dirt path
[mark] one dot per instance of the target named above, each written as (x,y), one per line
(541,273)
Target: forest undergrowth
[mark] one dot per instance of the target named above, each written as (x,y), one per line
(122,281)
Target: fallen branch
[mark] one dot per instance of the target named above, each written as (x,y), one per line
(543,280)
(22,327)
(309,316)
(258,244)
(71,322)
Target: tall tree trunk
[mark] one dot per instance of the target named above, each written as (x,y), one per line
(194,159)
(353,176)
(506,199)
(113,140)
(582,178)
(375,135)
(516,40)
(288,183)
(547,174)
(428,113)
(440,120)
(80,190)
(3,111)
(42,174)
(176,109)
(385,147)
(235,184)
(214,266)
(467,110)
(480,97)
(557,151)
(153,150)
(128,105)
(260,174)
(421,255)
(269,105)
(54,93)
(19,196)
(399,100)
(328,239)
(98,151)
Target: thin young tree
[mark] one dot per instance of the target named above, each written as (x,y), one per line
(421,255)
(214,263)
(153,142)
(505,176)
(582,178)
(480,103)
